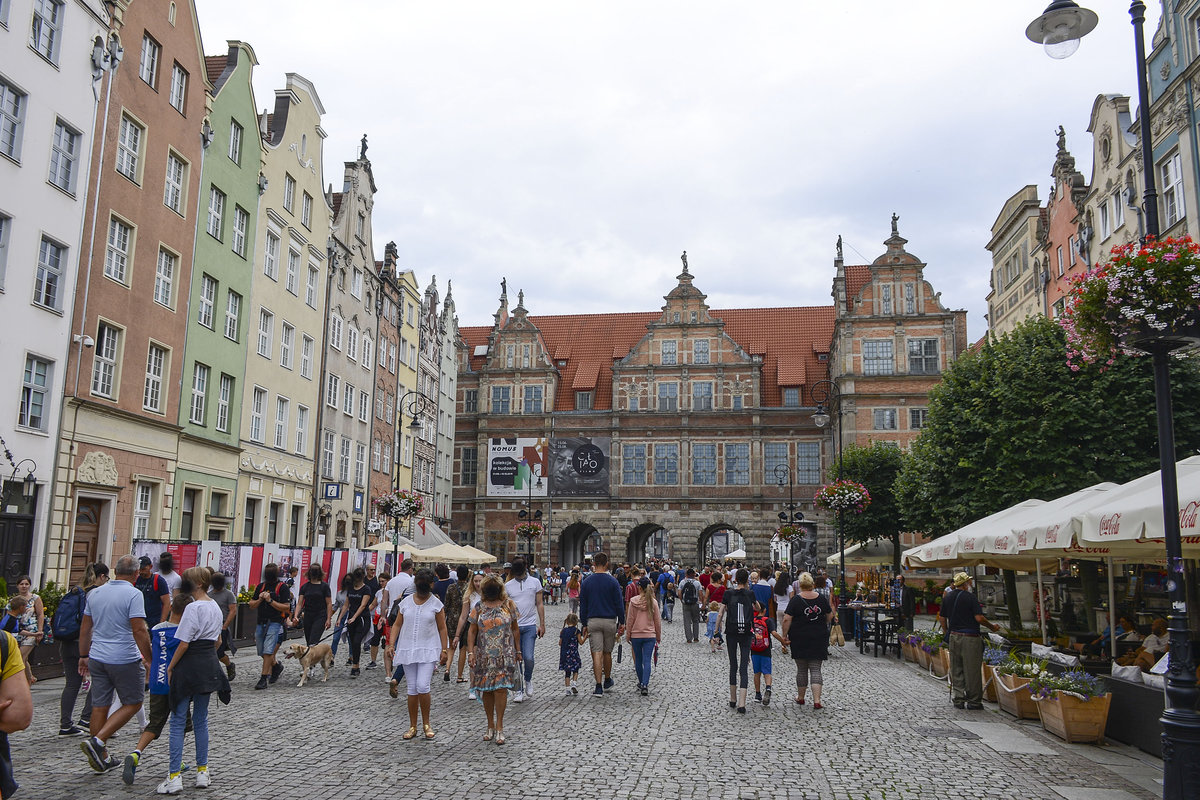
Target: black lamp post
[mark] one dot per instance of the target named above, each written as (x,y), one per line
(824,393)
(530,514)
(416,403)
(783,474)
(1060,28)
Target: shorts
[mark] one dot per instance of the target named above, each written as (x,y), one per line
(160,712)
(602,633)
(760,663)
(225,644)
(127,681)
(267,636)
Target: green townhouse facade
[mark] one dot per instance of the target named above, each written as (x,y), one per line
(214,368)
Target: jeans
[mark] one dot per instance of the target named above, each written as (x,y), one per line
(267,636)
(528,638)
(691,622)
(669,610)
(199,703)
(338,631)
(643,658)
(70,692)
(739,659)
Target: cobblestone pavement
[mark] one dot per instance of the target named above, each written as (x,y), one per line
(887,731)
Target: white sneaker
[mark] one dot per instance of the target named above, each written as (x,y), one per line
(529,690)
(202,779)
(471,695)
(171,785)
(518,697)
(568,691)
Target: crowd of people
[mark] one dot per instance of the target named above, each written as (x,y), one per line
(150,630)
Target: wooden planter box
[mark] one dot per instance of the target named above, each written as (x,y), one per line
(939,662)
(922,656)
(1075,720)
(1014,697)
(989,683)
(909,652)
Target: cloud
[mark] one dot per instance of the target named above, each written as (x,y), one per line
(576,148)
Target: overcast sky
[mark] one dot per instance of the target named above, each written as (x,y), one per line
(576,148)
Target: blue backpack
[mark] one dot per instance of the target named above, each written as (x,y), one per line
(68,617)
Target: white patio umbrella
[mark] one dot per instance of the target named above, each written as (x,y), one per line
(965,546)
(1129,519)
(736,554)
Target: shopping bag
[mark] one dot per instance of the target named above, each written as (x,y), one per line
(835,635)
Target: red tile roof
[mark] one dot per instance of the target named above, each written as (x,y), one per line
(214,66)
(590,343)
(857,277)
(337,204)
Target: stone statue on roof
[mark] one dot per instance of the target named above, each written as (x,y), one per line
(1061,133)
(895,220)
(839,247)
(504,287)
(684,259)
(362,154)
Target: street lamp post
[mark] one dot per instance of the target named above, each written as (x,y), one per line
(1060,28)
(531,515)
(783,473)
(824,393)
(416,403)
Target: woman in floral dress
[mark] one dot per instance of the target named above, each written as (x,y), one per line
(492,653)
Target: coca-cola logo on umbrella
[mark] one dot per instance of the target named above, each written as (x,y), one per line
(1187,517)
(1110,525)
(1052,534)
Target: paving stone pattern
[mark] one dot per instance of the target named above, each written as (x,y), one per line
(887,731)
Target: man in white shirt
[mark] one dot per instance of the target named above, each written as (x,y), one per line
(526,592)
(166,571)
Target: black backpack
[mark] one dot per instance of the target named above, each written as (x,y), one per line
(739,606)
(688,593)
(68,616)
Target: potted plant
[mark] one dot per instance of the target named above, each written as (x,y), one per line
(1143,293)
(843,495)
(906,644)
(927,650)
(992,658)
(1013,675)
(1073,706)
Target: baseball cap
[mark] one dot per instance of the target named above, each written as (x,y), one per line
(145,561)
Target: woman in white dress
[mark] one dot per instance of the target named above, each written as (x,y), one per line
(418,641)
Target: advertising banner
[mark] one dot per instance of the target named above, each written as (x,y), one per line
(516,467)
(580,466)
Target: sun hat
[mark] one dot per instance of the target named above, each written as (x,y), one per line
(961,578)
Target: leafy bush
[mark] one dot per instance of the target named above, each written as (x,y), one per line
(51,593)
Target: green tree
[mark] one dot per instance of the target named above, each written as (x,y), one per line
(1012,421)
(875,467)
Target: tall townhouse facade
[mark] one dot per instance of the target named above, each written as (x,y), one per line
(1173,67)
(120,426)
(214,355)
(285,326)
(892,340)
(349,356)
(1112,206)
(405,399)
(384,427)
(1017,289)
(1059,253)
(429,367)
(447,394)
(47,121)
(633,431)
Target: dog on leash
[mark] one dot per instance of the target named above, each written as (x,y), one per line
(310,657)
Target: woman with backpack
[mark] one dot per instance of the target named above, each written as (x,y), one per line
(806,631)
(738,613)
(65,624)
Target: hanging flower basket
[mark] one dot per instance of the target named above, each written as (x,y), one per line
(1143,298)
(530,530)
(843,495)
(400,505)
(790,533)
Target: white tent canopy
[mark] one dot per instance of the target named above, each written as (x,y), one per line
(876,553)
(451,554)
(735,554)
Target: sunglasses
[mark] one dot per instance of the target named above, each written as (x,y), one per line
(479,572)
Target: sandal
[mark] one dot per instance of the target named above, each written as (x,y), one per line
(429,734)
(409,734)
(499,737)
(487,737)
(799,701)
(461,680)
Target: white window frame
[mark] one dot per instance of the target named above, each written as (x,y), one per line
(271,256)
(164,277)
(130,136)
(179,81)
(105,379)
(301,429)
(364,406)
(306,356)
(200,375)
(289,191)
(306,209)
(348,397)
(336,328)
(266,332)
(1174,207)
(35,392)
(47,287)
(224,399)
(257,407)
(333,390)
(241,223)
(208,300)
(669,352)
(291,278)
(287,339)
(356,283)
(148,60)
(882,358)
(885,419)
(64,156)
(118,250)
(216,213)
(45,34)
(12,119)
(283,411)
(310,288)
(236,132)
(233,312)
(174,182)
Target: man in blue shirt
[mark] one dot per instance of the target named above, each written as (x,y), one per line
(602,614)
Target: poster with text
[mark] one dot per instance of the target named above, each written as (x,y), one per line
(579,466)
(517,467)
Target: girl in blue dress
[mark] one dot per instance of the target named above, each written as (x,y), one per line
(568,654)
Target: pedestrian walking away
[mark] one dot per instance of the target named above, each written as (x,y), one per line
(806,624)
(569,639)
(602,613)
(689,595)
(738,614)
(643,631)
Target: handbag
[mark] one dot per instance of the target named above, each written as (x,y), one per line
(835,635)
